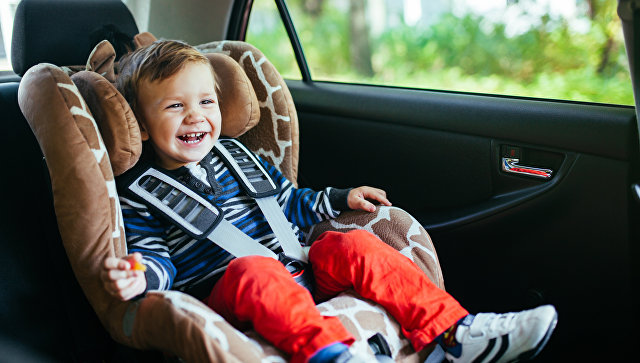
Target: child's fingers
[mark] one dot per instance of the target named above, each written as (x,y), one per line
(361,203)
(120,279)
(125,289)
(125,263)
(138,286)
(135,262)
(131,287)
(377,194)
(122,284)
(137,256)
(116,274)
(111,263)
(357,198)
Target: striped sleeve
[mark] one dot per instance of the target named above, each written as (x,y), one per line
(147,235)
(305,207)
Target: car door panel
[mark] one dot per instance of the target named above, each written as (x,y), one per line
(411,167)
(505,241)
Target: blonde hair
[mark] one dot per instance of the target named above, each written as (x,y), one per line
(155,62)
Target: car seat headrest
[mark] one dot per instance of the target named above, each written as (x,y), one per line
(238,101)
(63,32)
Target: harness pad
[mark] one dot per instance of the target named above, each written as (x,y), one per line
(195,215)
(246,168)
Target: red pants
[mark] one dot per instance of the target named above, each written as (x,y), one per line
(259,291)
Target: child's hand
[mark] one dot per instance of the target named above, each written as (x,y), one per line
(124,277)
(357,198)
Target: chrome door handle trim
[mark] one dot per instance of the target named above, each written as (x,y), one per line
(510,165)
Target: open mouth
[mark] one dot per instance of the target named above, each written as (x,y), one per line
(192,138)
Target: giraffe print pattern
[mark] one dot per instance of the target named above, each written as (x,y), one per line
(88,128)
(90,131)
(364,318)
(275,137)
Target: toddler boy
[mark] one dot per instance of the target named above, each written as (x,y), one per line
(171,89)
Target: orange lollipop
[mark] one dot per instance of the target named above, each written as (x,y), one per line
(135,264)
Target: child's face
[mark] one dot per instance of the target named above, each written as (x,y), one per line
(180,115)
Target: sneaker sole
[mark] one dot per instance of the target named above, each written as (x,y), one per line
(532,353)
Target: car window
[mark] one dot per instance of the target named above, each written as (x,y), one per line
(7,10)
(569,50)
(266,31)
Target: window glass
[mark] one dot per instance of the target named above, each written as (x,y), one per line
(266,32)
(140,10)
(7,11)
(569,49)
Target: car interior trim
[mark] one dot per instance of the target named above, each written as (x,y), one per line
(295,41)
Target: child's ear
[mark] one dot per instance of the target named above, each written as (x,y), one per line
(144,135)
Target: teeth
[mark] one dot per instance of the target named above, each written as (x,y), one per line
(194,135)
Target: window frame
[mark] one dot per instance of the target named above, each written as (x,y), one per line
(238,31)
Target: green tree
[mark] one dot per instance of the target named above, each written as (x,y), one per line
(468,52)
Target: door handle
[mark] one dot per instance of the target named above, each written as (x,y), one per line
(510,165)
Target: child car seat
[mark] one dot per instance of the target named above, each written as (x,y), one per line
(65,113)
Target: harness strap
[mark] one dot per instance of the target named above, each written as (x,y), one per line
(236,242)
(257,182)
(281,228)
(249,172)
(202,219)
(193,214)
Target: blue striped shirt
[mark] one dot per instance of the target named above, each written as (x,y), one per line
(176,261)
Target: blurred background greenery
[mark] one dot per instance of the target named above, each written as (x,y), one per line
(510,47)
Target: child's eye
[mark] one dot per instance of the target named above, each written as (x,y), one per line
(207,101)
(175,105)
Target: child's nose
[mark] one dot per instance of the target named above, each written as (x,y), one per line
(194,117)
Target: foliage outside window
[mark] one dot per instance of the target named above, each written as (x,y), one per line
(569,49)
(266,31)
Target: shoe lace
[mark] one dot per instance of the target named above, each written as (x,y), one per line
(492,324)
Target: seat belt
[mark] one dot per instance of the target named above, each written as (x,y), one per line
(256,182)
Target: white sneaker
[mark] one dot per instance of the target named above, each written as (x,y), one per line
(510,337)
